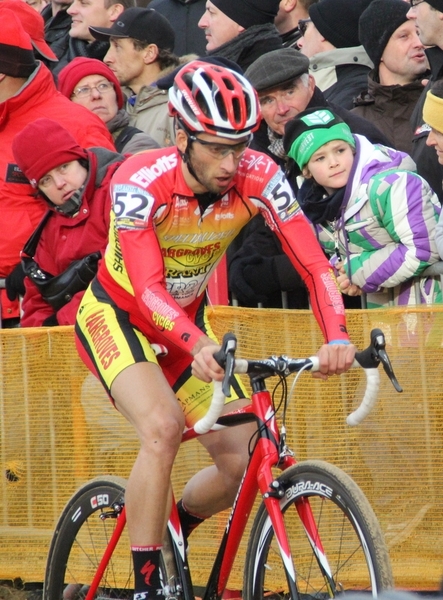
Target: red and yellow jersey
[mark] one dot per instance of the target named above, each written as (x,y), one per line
(163,247)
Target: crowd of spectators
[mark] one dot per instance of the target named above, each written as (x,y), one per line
(102,70)
(351,99)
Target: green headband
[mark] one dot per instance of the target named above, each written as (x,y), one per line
(311,140)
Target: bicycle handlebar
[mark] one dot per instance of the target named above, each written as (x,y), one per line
(368,359)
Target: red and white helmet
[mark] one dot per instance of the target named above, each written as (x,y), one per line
(215,100)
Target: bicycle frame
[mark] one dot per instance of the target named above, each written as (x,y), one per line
(266,454)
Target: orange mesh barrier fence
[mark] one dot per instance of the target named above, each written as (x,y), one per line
(58,429)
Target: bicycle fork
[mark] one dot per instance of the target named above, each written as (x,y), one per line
(273,493)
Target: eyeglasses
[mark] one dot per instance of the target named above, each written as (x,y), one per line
(415,2)
(102,88)
(303,24)
(220,151)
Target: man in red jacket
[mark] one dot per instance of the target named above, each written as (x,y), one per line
(27,92)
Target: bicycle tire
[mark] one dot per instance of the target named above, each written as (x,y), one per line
(80,539)
(349,531)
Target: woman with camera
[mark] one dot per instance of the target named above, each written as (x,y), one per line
(62,256)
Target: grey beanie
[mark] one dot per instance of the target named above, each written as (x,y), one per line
(377,24)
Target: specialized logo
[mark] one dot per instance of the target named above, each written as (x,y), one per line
(147,570)
(102,339)
(146,175)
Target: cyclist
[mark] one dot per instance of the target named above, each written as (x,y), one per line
(175,211)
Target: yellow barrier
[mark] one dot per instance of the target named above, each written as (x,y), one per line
(58,429)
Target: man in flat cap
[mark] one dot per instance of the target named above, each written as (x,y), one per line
(285,88)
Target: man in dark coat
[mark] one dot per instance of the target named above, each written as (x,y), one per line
(240,29)
(330,40)
(184,16)
(400,63)
(428,16)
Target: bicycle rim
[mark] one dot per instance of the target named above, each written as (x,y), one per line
(79,542)
(352,556)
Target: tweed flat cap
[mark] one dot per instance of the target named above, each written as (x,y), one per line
(276,68)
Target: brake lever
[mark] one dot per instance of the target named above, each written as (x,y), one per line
(378,342)
(225,357)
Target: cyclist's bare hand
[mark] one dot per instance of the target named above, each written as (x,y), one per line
(335,359)
(204,366)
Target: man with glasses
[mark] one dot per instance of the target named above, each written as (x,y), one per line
(330,40)
(175,211)
(428,17)
(290,14)
(89,82)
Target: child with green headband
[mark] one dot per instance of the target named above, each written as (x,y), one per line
(373,214)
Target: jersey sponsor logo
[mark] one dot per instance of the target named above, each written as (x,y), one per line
(186,273)
(181,202)
(102,339)
(199,238)
(146,175)
(131,206)
(183,292)
(333,292)
(189,255)
(255,162)
(222,216)
(163,315)
(280,195)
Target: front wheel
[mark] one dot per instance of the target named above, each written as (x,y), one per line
(340,550)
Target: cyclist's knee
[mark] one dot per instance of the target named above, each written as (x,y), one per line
(161,433)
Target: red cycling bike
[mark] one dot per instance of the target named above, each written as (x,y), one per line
(315,535)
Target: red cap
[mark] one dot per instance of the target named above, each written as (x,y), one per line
(78,68)
(32,23)
(43,145)
(16,52)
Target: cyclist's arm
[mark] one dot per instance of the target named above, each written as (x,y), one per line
(157,306)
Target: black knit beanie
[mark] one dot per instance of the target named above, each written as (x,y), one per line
(437,4)
(249,12)
(337,20)
(378,22)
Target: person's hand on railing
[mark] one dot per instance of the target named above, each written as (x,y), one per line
(344,283)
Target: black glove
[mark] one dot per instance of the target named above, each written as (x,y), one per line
(252,279)
(50,321)
(14,282)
